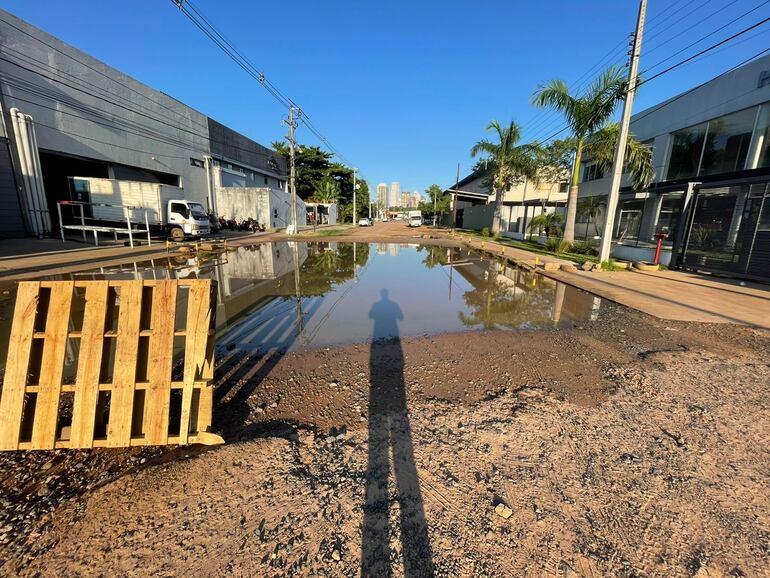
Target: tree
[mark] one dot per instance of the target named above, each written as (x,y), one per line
(589,207)
(549,222)
(638,159)
(506,164)
(435,198)
(326,191)
(312,165)
(585,115)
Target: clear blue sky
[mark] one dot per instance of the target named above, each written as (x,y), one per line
(402,88)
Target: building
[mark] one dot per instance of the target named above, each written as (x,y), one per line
(473,204)
(395,195)
(382,196)
(67,114)
(710,198)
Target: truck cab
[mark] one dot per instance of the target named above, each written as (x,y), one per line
(187,218)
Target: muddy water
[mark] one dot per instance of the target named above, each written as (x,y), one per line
(306,295)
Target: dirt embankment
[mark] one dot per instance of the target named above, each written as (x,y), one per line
(628,446)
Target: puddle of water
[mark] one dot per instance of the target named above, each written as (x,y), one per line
(294,295)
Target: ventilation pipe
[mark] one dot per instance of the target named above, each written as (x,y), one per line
(35,204)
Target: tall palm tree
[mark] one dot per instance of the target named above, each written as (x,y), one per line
(506,163)
(585,115)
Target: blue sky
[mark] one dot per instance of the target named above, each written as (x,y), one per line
(402,88)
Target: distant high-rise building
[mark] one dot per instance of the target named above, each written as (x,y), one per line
(382,196)
(406,199)
(395,194)
(416,199)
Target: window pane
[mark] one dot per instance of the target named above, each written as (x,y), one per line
(685,152)
(763,138)
(727,142)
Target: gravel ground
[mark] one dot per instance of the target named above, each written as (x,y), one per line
(629,446)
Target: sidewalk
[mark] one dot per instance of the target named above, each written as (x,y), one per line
(675,295)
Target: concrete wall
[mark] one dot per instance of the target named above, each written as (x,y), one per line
(270,207)
(478,217)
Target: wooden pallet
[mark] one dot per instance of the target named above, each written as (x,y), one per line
(92,364)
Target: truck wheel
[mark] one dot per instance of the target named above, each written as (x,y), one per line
(177,234)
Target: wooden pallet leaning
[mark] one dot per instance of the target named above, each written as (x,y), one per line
(39,411)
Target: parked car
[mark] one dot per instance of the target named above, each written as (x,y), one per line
(364,222)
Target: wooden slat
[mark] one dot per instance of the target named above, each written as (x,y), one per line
(52,366)
(124,372)
(199,310)
(89,365)
(19,347)
(158,394)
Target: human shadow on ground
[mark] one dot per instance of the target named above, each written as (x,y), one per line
(389,429)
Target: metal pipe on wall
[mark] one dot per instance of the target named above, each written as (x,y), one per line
(34,199)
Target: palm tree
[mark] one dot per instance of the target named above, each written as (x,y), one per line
(327,191)
(638,158)
(505,163)
(549,222)
(585,115)
(589,208)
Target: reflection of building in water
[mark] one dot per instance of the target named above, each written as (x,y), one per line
(393,249)
(382,248)
(253,274)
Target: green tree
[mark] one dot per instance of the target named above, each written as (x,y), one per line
(435,198)
(638,158)
(584,115)
(589,209)
(548,222)
(506,163)
(312,165)
(326,191)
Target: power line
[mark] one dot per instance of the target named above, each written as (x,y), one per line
(205,26)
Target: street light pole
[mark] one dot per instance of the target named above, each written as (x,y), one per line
(620,150)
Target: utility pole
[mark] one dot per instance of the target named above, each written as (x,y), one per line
(454,199)
(291,123)
(354,195)
(620,150)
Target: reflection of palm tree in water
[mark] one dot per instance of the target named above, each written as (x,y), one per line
(389,428)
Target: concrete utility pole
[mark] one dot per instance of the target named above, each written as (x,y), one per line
(292,171)
(354,195)
(620,150)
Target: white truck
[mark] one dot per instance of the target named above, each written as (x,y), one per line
(414,218)
(165,206)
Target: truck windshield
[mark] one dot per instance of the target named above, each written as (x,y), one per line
(197,210)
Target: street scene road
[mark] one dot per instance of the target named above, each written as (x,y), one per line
(523,329)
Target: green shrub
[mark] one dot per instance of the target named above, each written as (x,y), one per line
(552,244)
(564,247)
(485,232)
(582,248)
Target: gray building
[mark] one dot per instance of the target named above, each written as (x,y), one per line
(711,194)
(66,114)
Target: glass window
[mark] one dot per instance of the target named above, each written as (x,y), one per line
(761,156)
(686,148)
(592,173)
(668,218)
(727,142)
(629,220)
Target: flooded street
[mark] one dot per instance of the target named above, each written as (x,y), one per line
(292,296)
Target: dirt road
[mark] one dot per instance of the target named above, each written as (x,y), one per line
(629,446)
